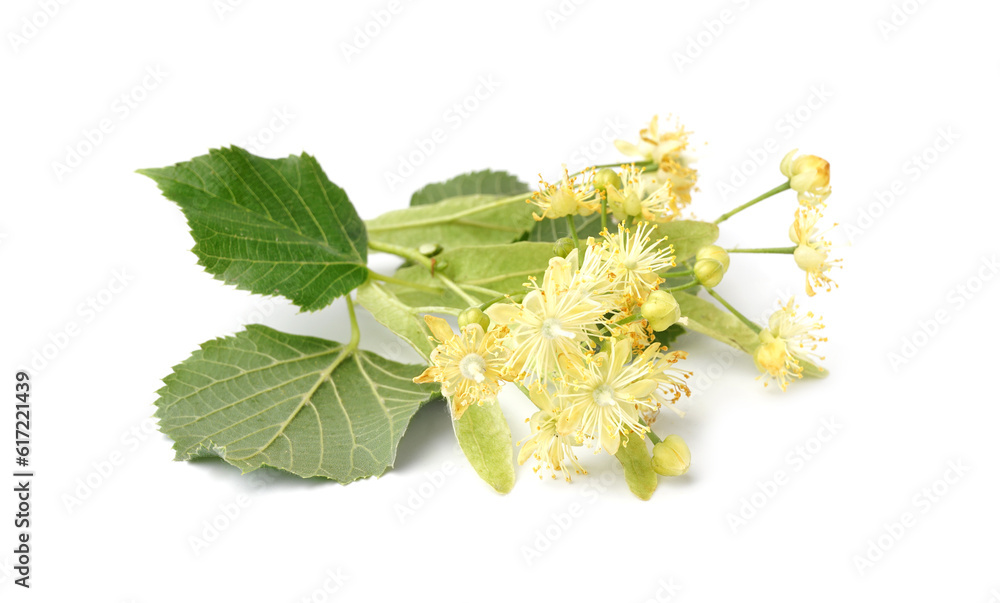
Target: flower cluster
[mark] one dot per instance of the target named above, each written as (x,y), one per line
(581,339)
(580,344)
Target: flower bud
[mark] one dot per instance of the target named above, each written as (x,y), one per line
(714,252)
(807,175)
(563,247)
(661,310)
(671,456)
(709,272)
(471,316)
(607,177)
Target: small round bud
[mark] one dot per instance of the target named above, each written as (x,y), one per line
(607,177)
(709,272)
(471,316)
(714,252)
(563,247)
(671,456)
(429,249)
(661,310)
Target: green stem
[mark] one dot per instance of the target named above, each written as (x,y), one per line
(435,310)
(764,250)
(652,436)
(628,319)
(753,326)
(355,331)
(617,164)
(572,230)
(774,191)
(407,253)
(513,298)
(604,212)
(458,290)
(398,281)
(678,273)
(693,283)
(478,289)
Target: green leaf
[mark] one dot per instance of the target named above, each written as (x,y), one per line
(454,222)
(811,370)
(483,182)
(687,236)
(486,272)
(667,337)
(400,318)
(270,226)
(718,323)
(485,439)
(553,230)
(306,405)
(637,463)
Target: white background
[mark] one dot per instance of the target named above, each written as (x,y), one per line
(869,96)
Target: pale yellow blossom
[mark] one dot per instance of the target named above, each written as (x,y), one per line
(807,175)
(812,253)
(787,342)
(470,366)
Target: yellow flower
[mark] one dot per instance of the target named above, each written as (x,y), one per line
(631,199)
(682,180)
(593,278)
(636,261)
(785,344)
(550,449)
(565,198)
(666,150)
(469,366)
(809,176)
(654,145)
(813,251)
(607,397)
(670,381)
(550,329)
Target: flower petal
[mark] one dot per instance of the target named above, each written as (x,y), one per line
(439,327)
